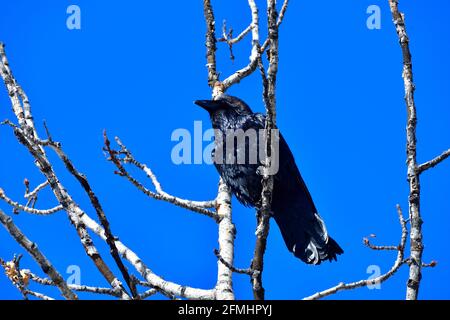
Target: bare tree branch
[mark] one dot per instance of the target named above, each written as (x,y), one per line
(156,289)
(73,210)
(114,157)
(263,217)
(35,190)
(74,287)
(23,208)
(38,295)
(81,178)
(250,68)
(210,43)
(233,40)
(148,293)
(154,280)
(41,260)
(379,248)
(363,283)
(247,271)
(227,233)
(434,162)
(19,101)
(27,136)
(228,37)
(279,21)
(432,264)
(416,241)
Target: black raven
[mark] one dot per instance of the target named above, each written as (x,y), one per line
(292,207)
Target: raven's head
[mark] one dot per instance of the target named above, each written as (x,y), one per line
(225,104)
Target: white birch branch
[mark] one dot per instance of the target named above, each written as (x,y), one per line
(413,175)
(255,54)
(36,190)
(41,260)
(38,295)
(18,206)
(154,280)
(227,232)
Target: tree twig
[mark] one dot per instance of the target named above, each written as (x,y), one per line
(251,67)
(35,190)
(31,210)
(38,295)
(247,271)
(74,287)
(362,283)
(114,157)
(434,162)
(380,248)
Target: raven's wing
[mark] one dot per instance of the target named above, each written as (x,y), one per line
(293,208)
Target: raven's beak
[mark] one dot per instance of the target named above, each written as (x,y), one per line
(209,105)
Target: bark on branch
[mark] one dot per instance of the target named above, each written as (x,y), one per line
(40,259)
(434,162)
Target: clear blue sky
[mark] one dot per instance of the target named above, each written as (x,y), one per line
(134,69)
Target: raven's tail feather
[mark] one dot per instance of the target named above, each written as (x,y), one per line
(308,239)
(315,253)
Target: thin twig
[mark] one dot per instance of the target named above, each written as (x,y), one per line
(74,287)
(114,157)
(232,41)
(38,295)
(247,271)
(432,264)
(251,67)
(31,210)
(380,248)
(434,162)
(36,190)
(362,283)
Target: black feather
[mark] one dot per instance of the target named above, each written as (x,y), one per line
(293,209)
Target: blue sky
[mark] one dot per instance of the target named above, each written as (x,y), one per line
(134,69)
